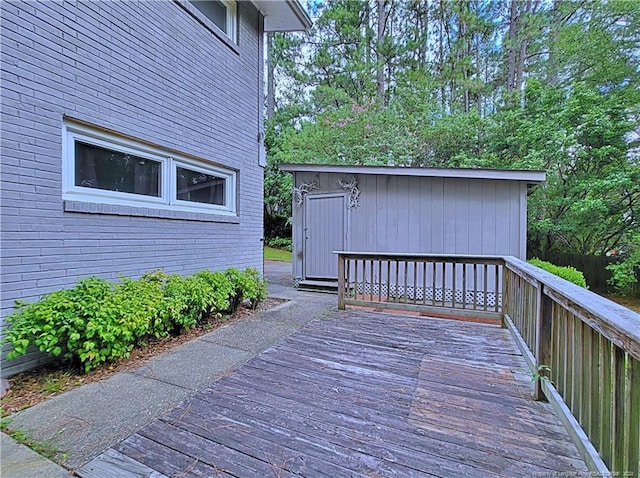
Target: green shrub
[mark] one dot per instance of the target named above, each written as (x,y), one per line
(63,323)
(280,243)
(623,275)
(566,272)
(97,322)
(247,285)
(222,291)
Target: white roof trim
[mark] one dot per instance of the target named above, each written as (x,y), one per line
(513,175)
(283,15)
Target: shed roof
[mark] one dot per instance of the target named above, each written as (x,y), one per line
(505,174)
(283,15)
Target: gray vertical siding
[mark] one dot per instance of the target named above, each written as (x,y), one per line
(144,69)
(426,215)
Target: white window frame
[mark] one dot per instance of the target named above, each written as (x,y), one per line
(228,176)
(231,19)
(167,177)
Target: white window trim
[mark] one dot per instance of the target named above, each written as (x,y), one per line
(169,163)
(232,19)
(231,35)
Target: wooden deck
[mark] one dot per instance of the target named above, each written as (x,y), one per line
(362,394)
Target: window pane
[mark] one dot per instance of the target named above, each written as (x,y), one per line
(200,187)
(102,168)
(215,11)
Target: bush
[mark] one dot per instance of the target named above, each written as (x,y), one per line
(248,285)
(624,275)
(97,322)
(566,272)
(280,243)
(56,324)
(222,290)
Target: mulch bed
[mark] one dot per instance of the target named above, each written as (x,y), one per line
(29,388)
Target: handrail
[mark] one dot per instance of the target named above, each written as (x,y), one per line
(585,348)
(588,349)
(616,322)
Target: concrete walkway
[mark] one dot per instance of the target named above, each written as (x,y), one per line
(87,420)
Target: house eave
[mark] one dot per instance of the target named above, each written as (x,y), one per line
(283,15)
(531,177)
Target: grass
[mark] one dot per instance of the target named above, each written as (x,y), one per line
(271,254)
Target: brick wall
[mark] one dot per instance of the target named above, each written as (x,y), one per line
(145,69)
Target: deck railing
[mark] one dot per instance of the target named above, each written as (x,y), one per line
(584,348)
(452,285)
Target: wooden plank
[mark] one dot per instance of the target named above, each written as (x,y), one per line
(388,398)
(422,451)
(438,310)
(576,367)
(530,451)
(619,410)
(555,346)
(544,320)
(410,257)
(114,464)
(596,365)
(522,346)
(606,400)
(615,322)
(633,451)
(364,394)
(326,448)
(268,441)
(587,451)
(569,352)
(342,280)
(170,462)
(585,392)
(210,452)
(464,383)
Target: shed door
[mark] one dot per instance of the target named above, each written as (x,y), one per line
(325,232)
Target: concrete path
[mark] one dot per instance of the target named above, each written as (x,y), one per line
(87,420)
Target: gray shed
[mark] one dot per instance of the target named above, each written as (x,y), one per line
(397,209)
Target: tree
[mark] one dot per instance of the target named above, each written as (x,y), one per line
(455,83)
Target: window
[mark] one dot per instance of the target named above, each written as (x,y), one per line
(222,13)
(105,168)
(101,168)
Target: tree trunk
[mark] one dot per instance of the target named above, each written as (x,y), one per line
(511,46)
(382,20)
(522,55)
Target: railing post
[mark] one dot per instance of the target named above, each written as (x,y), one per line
(341,282)
(506,290)
(544,317)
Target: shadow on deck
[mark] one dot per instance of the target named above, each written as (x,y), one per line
(363,394)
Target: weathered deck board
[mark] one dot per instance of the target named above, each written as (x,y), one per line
(366,394)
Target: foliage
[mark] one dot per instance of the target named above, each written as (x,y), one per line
(578,138)
(283,243)
(565,272)
(247,285)
(542,374)
(97,322)
(625,273)
(552,86)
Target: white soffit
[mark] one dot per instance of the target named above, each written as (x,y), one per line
(283,15)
